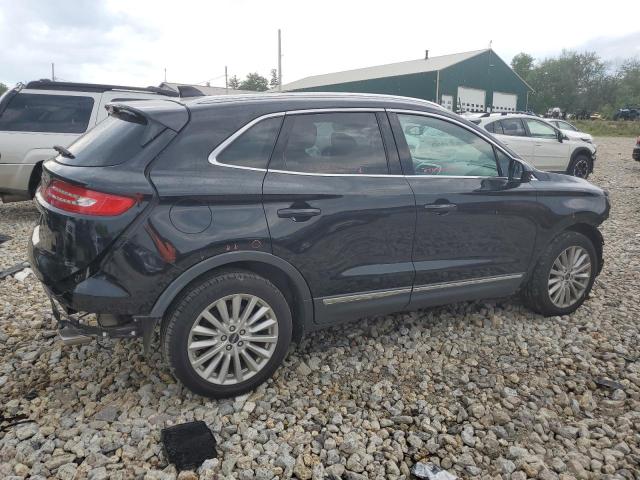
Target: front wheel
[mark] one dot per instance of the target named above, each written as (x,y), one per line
(563,276)
(227,334)
(580,166)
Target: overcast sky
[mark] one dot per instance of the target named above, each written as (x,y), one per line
(132,41)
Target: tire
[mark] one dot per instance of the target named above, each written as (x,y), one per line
(581,166)
(185,325)
(539,295)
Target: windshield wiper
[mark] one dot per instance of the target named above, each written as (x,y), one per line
(63,151)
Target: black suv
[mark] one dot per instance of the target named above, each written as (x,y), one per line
(240,222)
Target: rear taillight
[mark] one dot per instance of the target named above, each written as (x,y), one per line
(72,198)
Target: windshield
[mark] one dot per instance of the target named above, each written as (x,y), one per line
(111,142)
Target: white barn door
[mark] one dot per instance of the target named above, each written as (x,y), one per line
(471,99)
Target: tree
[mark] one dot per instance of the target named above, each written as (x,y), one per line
(3,88)
(255,82)
(233,83)
(522,64)
(275,81)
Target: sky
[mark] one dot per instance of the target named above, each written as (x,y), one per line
(131,42)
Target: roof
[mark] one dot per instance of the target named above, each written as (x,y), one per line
(205,89)
(45,84)
(430,64)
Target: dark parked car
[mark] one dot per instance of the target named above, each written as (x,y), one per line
(239,223)
(636,150)
(627,113)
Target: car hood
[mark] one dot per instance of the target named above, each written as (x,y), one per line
(567,181)
(578,136)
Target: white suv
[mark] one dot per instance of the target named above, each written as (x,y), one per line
(570,130)
(541,143)
(35,117)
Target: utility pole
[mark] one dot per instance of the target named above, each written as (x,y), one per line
(226,81)
(279,61)
(53,72)
(165,74)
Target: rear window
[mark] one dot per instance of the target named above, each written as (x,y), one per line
(111,142)
(30,112)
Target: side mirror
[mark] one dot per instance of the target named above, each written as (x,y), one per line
(517,173)
(560,135)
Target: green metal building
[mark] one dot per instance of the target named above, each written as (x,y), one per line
(475,81)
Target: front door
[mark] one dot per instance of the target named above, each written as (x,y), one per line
(475,231)
(340,211)
(550,153)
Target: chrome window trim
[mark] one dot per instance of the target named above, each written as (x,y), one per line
(229,140)
(373,295)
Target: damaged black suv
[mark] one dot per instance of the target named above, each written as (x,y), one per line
(238,223)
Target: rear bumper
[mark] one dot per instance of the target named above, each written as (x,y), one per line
(14,181)
(636,154)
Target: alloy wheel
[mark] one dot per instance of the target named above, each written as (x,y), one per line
(581,168)
(233,339)
(569,277)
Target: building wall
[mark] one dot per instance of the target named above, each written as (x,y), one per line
(419,85)
(485,71)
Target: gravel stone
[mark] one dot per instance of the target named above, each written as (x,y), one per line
(484,389)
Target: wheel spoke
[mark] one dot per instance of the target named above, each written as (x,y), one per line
(260,351)
(207,355)
(237,366)
(258,315)
(263,339)
(224,369)
(235,307)
(212,366)
(248,309)
(251,363)
(203,344)
(555,288)
(200,330)
(221,306)
(261,326)
(209,317)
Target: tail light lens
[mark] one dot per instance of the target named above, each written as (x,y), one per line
(72,198)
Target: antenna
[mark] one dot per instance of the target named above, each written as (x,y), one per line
(279,60)
(53,72)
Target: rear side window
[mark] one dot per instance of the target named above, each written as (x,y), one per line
(111,142)
(334,143)
(253,148)
(494,127)
(513,127)
(29,112)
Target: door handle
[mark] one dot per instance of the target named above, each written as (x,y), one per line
(441,208)
(298,214)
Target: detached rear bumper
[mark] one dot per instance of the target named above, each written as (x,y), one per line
(636,154)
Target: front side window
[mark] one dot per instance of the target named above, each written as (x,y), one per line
(566,126)
(438,147)
(253,148)
(494,127)
(539,129)
(513,127)
(30,112)
(334,143)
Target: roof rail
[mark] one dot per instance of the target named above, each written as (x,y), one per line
(46,84)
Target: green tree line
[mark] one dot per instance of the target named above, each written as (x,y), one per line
(254,81)
(579,83)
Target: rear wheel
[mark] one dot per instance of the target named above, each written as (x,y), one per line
(563,277)
(581,166)
(228,334)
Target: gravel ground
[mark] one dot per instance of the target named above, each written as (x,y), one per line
(485,389)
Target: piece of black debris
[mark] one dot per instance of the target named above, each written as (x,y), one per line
(31,395)
(7,422)
(606,383)
(4,238)
(431,471)
(11,270)
(188,445)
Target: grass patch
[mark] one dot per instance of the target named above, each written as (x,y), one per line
(608,128)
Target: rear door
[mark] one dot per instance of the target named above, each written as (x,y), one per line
(512,133)
(550,153)
(339,210)
(474,230)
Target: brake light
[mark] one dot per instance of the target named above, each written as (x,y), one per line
(72,198)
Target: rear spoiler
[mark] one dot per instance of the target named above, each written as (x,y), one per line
(168,113)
